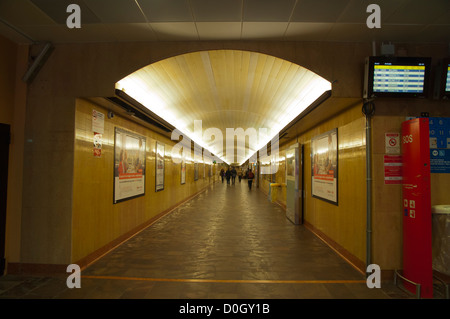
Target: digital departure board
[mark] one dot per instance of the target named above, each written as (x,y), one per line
(447,81)
(396,77)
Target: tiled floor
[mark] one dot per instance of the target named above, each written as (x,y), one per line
(226,243)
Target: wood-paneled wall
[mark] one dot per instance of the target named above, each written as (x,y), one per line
(91,70)
(342,225)
(96,221)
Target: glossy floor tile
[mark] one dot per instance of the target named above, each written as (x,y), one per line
(228,242)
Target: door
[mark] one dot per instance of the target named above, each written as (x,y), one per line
(294,184)
(301,183)
(4,158)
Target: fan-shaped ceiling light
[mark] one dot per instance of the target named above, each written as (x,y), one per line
(225,89)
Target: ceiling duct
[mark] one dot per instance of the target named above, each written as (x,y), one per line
(136,109)
(38,63)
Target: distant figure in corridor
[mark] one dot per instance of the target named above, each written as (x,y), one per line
(222,174)
(233,175)
(250,177)
(240,175)
(228,175)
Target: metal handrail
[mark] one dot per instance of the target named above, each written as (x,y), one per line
(411,282)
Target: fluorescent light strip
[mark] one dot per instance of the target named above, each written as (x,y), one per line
(155,104)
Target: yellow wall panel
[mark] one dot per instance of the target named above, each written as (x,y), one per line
(343,223)
(96,220)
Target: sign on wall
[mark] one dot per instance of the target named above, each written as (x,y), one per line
(393,173)
(392,143)
(98,122)
(129,165)
(439,144)
(98,142)
(98,127)
(324,162)
(160,167)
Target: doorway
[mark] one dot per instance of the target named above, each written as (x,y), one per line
(294,183)
(4,159)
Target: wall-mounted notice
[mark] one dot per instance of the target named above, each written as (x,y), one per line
(439,144)
(98,142)
(392,143)
(98,122)
(129,165)
(393,169)
(160,167)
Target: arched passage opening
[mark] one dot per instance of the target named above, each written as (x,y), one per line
(229,94)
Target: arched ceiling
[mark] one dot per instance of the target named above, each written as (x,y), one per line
(225,89)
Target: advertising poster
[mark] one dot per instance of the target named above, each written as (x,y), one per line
(159,182)
(129,165)
(324,160)
(183,172)
(195,171)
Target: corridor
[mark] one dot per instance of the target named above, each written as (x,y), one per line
(228,242)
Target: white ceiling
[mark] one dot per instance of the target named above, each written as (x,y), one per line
(26,21)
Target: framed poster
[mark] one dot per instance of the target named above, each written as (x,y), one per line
(195,171)
(159,159)
(129,165)
(324,166)
(183,171)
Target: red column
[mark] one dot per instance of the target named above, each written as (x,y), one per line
(417,255)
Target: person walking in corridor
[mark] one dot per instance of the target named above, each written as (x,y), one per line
(250,177)
(222,174)
(233,175)
(228,175)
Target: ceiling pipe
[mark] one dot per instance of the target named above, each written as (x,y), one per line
(17,30)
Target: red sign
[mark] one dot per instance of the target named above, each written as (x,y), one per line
(393,169)
(417,256)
